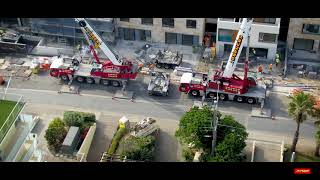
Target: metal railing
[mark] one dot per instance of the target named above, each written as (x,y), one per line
(14,113)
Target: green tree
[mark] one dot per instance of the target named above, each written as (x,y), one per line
(138,148)
(299,107)
(228,125)
(79,119)
(55,133)
(230,148)
(194,126)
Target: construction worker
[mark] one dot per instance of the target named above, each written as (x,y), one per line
(277,61)
(260,69)
(270,68)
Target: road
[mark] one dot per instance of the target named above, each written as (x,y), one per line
(282,128)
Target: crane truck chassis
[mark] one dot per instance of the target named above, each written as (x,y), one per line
(196,85)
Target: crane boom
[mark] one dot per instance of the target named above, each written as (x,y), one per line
(95,41)
(242,36)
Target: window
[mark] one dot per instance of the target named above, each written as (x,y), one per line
(191,24)
(265,20)
(171,38)
(311,28)
(187,40)
(303,44)
(266,37)
(227,35)
(147,21)
(124,19)
(167,22)
(145,35)
(128,34)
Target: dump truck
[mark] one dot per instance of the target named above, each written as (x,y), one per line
(159,84)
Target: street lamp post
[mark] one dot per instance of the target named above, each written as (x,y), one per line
(215,123)
(5,91)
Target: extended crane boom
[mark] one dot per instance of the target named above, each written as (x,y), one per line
(237,47)
(95,41)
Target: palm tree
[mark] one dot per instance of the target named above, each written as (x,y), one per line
(300,106)
(316,114)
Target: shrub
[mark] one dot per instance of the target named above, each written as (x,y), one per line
(55,133)
(79,119)
(115,141)
(138,148)
(188,154)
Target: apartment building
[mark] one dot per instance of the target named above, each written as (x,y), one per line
(17,142)
(66,31)
(185,31)
(263,38)
(304,34)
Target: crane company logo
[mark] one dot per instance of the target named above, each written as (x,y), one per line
(298,171)
(93,38)
(236,49)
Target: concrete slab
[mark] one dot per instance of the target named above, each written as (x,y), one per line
(265,113)
(123,95)
(73,89)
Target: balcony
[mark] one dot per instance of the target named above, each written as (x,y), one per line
(20,143)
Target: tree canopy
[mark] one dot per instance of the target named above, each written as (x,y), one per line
(55,133)
(195,126)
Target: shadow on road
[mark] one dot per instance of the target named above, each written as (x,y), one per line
(167,148)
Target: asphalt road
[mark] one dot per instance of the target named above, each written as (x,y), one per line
(43,90)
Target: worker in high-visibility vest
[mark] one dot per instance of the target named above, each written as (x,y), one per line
(270,68)
(260,69)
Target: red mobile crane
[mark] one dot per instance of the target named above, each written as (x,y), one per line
(113,71)
(228,85)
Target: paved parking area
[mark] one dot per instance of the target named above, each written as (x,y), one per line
(264,151)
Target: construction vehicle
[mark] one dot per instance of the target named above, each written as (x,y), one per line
(159,84)
(168,59)
(115,71)
(226,84)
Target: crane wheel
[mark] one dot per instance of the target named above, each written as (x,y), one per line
(80,79)
(223,97)
(212,95)
(195,93)
(239,99)
(115,83)
(64,78)
(251,101)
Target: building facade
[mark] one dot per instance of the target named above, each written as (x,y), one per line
(66,31)
(263,37)
(304,34)
(185,31)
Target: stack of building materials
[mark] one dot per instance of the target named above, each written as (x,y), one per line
(10,68)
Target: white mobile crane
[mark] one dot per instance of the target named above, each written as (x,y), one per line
(228,85)
(113,71)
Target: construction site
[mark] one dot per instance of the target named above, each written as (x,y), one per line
(146,79)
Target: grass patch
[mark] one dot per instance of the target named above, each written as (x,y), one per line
(300,157)
(5,109)
(303,157)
